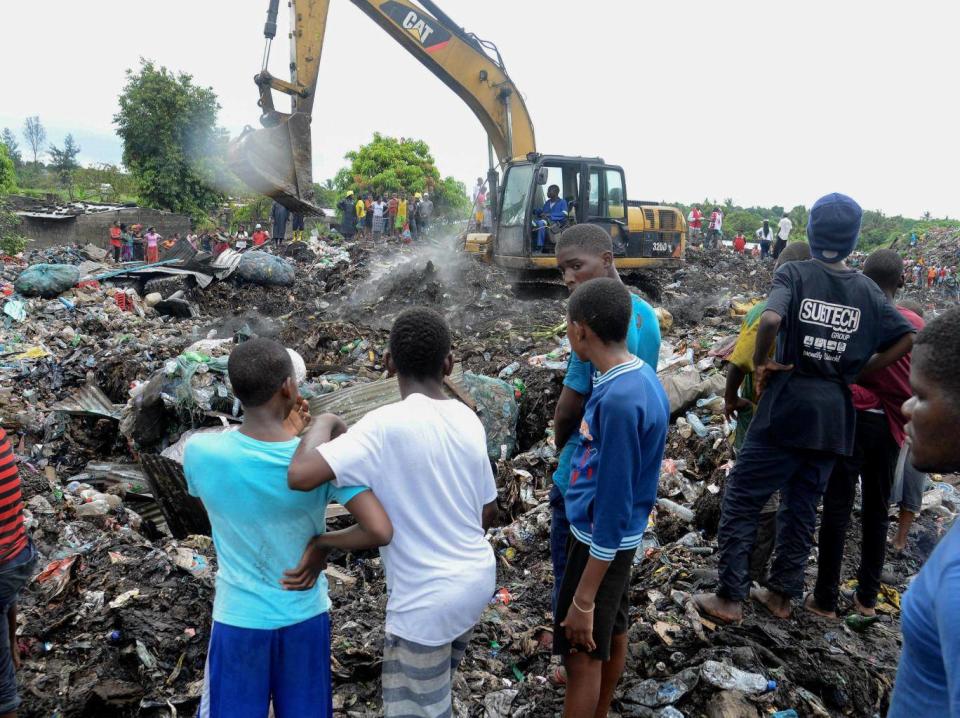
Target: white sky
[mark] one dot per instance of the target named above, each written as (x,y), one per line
(764,102)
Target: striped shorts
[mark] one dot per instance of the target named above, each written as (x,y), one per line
(417,679)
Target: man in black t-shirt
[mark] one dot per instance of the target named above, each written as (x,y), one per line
(829,323)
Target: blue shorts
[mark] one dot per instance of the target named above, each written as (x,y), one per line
(249,667)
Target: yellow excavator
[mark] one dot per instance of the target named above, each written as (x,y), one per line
(276,160)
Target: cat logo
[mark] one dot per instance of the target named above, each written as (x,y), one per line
(427,31)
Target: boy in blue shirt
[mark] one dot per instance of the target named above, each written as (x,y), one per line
(585,252)
(613,486)
(270,640)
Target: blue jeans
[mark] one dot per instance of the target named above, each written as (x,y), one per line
(559,533)
(801,477)
(13,577)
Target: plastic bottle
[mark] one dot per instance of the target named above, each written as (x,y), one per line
(730,678)
(697,425)
(94,508)
(509,370)
(676,509)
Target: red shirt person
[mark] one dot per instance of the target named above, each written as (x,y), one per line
(739,243)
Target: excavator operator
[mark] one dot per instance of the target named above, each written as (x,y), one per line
(555,210)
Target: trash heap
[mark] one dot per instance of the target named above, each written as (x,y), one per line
(99,393)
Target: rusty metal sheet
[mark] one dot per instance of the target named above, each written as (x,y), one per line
(89,400)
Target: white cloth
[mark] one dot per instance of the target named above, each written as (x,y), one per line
(378,208)
(764,237)
(719,221)
(426,461)
(784,228)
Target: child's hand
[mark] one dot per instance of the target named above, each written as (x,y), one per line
(763,371)
(298,418)
(304,576)
(579,627)
(730,408)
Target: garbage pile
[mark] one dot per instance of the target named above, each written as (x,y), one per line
(99,390)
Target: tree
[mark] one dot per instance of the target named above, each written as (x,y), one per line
(387,164)
(171,143)
(13,148)
(8,177)
(64,161)
(325,195)
(35,135)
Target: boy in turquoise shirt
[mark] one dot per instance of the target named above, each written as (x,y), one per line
(270,640)
(585,252)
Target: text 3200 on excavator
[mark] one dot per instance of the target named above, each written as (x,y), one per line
(277,159)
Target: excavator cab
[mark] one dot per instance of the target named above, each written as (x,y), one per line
(643,234)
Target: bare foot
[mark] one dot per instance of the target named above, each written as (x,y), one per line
(810,603)
(861,609)
(722,609)
(899,544)
(776,603)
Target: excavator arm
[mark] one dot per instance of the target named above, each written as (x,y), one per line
(277,160)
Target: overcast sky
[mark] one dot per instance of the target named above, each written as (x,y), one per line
(763,102)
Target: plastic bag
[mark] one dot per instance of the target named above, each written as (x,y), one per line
(263,268)
(46,280)
(498,411)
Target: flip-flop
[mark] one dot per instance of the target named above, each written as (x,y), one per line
(806,597)
(558,676)
(719,619)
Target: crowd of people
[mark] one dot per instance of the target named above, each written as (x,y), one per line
(928,276)
(831,381)
(768,243)
(374,216)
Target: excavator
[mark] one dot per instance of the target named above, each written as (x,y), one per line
(276,160)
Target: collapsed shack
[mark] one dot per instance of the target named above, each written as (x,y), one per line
(98,394)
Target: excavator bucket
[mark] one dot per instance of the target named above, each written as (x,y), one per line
(276,161)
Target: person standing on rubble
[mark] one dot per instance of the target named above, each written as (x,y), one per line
(426,213)
(270,640)
(613,486)
(392,205)
(115,243)
(739,399)
(152,240)
(878,399)
(585,252)
(413,212)
(715,235)
(18,559)
(348,210)
(783,235)
(695,222)
(361,209)
(379,209)
(765,237)
(297,224)
(279,216)
(401,222)
(739,243)
(127,238)
(426,459)
(368,215)
(805,419)
(928,677)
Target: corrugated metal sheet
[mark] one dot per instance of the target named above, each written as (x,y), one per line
(226,263)
(203,280)
(89,400)
(352,403)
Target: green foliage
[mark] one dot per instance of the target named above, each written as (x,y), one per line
(325,195)
(8,176)
(390,165)
(12,240)
(64,161)
(105,182)
(171,142)
(13,148)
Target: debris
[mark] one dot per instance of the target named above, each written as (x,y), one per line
(730,678)
(46,280)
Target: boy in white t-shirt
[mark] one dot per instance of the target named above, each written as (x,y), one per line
(426,458)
